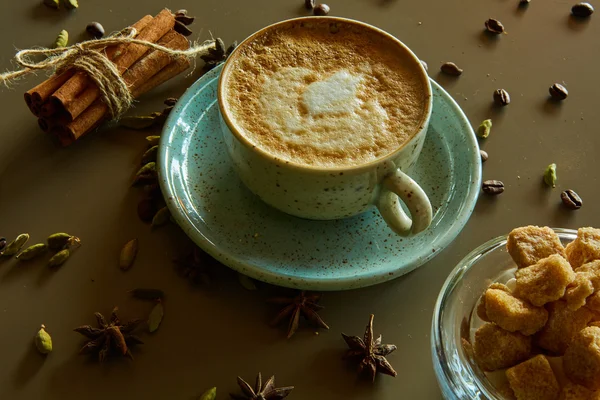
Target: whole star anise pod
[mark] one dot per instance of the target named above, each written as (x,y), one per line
(196,266)
(372,353)
(110,337)
(268,391)
(305,304)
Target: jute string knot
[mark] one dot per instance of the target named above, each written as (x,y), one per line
(85,56)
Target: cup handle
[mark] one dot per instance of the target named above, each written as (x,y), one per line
(399,185)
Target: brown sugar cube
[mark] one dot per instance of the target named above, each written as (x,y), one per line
(585,248)
(533,380)
(544,281)
(529,244)
(593,302)
(582,358)
(514,314)
(481,313)
(496,348)
(578,291)
(571,391)
(592,272)
(563,324)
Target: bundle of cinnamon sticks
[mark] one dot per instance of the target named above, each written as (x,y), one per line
(69,105)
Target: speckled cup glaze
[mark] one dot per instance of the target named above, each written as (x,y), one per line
(323,193)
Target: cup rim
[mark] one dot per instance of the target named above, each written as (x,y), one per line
(455,385)
(318,169)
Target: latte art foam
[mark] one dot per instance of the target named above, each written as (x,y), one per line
(312,97)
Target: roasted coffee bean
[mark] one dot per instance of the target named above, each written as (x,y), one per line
(484,155)
(558,91)
(2,243)
(450,68)
(501,97)
(523,3)
(231,48)
(95,29)
(582,10)
(182,29)
(321,9)
(492,187)
(571,199)
(309,4)
(494,26)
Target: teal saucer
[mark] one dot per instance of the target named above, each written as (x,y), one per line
(225,219)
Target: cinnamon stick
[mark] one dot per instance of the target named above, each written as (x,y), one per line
(78,83)
(74,101)
(42,92)
(149,72)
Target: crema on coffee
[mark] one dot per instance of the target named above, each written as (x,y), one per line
(325,94)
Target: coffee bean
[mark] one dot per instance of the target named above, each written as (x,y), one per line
(450,68)
(558,91)
(182,29)
(424,64)
(524,2)
(571,199)
(309,4)
(494,26)
(501,97)
(582,10)
(493,187)
(95,29)
(2,243)
(321,9)
(484,155)
(183,11)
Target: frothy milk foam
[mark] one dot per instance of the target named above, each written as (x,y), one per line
(325,95)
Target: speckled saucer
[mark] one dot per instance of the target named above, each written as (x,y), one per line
(225,219)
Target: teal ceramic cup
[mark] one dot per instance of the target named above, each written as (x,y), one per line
(323,193)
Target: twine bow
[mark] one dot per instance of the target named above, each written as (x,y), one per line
(85,56)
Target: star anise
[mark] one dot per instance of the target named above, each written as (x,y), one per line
(305,304)
(372,353)
(110,337)
(196,266)
(268,391)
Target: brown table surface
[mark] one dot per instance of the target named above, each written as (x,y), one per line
(210,336)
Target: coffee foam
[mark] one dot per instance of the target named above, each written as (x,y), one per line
(313,97)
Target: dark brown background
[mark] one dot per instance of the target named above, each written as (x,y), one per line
(210,336)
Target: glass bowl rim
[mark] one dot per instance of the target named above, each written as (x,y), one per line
(448,379)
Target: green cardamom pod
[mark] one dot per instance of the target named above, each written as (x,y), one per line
(62,39)
(13,247)
(161,217)
(71,4)
(52,4)
(246,282)
(138,122)
(156,316)
(210,394)
(152,140)
(32,252)
(146,173)
(485,128)
(57,241)
(59,258)
(128,253)
(43,341)
(550,175)
(150,155)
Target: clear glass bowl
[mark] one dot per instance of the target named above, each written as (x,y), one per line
(455,316)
